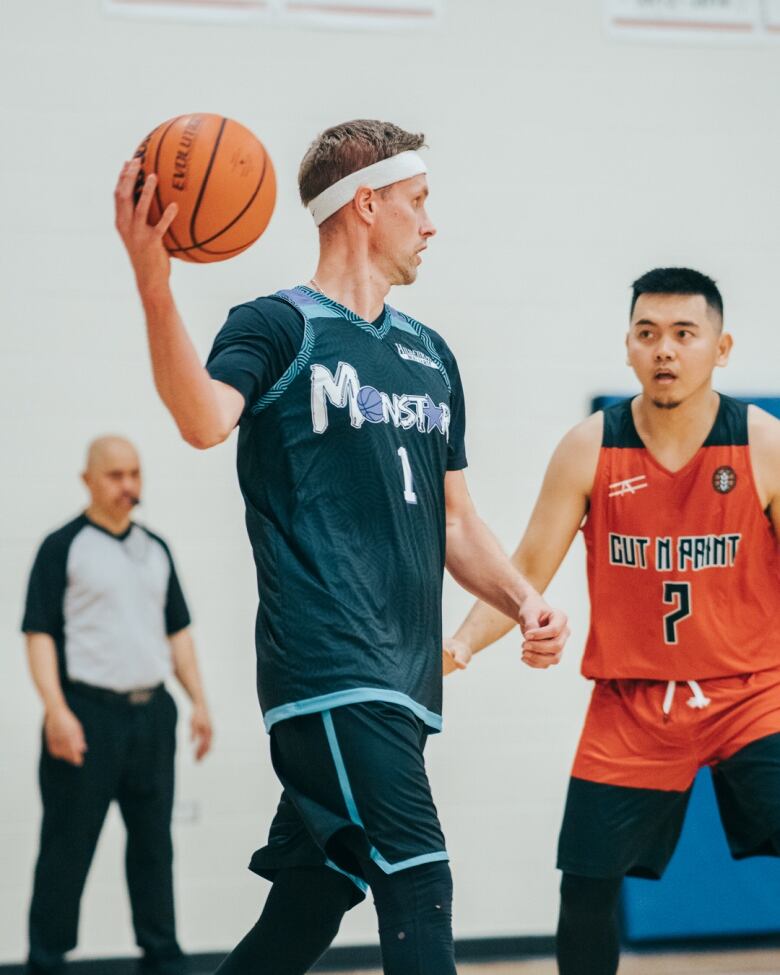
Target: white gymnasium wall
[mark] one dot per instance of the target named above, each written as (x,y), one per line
(563,164)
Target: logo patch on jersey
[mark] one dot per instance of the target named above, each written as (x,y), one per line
(414,355)
(630,486)
(724,479)
(365,403)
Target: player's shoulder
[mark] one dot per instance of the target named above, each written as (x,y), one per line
(268,322)
(56,544)
(55,547)
(588,434)
(575,459)
(406,323)
(268,312)
(763,427)
(440,343)
(764,440)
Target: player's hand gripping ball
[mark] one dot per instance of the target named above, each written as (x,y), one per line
(220,176)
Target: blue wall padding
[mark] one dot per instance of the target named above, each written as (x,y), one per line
(704,893)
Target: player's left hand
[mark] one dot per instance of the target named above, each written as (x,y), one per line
(201,731)
(455,655)
(545,632)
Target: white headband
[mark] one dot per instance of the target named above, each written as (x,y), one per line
(379,174)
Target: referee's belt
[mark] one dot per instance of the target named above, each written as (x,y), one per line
(141,695)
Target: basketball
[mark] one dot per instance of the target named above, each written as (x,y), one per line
(220,176)
(369,402)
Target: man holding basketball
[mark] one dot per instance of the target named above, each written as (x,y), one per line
(678,495)
(350,459)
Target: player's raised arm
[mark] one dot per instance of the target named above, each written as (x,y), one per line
(555,520)
(204,409)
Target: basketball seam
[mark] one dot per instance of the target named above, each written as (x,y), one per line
(205,180)
(189,250)
(157,188)
(238,216)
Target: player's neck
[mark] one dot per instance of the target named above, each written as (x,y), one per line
(684,427)
(347,274)
(117,526)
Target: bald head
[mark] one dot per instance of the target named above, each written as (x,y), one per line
(110,449)
(113,479)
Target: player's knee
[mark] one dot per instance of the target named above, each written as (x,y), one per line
(424,891)
(592,896)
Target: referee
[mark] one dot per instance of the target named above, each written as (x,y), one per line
(106,623)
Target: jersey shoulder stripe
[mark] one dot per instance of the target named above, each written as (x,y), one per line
(408,324)
(619,429)
(300,302)
(729,430)
(314,304)
(731,424)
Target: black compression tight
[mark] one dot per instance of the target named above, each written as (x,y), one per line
(304,910)
(414,909)
(588,933)
(301,917)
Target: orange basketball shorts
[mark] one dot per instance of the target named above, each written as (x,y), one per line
(641,747)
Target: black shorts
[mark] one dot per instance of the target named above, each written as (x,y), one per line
(355,790)
(614,830)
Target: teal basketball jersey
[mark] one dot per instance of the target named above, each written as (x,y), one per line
(341,463)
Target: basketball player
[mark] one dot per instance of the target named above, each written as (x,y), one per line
(350,459)
(679,492)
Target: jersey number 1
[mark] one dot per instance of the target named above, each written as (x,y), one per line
(679,593)
(409,496)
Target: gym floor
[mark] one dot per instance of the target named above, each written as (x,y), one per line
(700,963)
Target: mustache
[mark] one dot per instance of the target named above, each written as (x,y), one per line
(134,499)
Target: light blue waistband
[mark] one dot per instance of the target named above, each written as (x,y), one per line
(356,695)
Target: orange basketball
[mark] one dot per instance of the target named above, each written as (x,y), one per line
(222,179)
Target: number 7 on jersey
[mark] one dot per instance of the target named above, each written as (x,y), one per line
(679,593)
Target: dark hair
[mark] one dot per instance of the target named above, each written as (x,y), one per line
(343,149)
(678,281)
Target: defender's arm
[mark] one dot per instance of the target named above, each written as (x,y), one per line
(764,434)
(555,520)
(477,562)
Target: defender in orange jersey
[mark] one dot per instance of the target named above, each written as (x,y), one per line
(677,492)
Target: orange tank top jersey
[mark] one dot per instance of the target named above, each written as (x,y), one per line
(683,568)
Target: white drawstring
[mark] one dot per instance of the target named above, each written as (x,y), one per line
(698,700)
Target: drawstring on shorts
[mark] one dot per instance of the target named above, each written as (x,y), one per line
(698,700)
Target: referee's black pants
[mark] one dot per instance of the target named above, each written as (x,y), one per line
(130,758)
